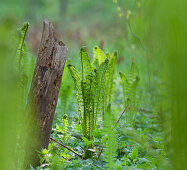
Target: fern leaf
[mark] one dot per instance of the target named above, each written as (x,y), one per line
(86,84)
(99,56)
(133,78)
(133,73)
(110,77)
(130,83)
(21,47)
(86,65)
(77,81)
(24,64)
(100,88)
(126,90)
(111,143)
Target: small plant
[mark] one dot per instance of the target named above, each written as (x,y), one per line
(130,83)
(109,140)
(93,87)
(23,66)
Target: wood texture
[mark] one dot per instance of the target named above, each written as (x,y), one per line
(45,87)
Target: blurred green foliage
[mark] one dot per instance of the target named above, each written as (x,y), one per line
(168,35)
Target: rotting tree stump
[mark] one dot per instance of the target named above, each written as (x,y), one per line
(44,91)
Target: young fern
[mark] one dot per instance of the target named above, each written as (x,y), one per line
(110,142)
(100,88)
(105,77)
(21,47)
(65,129)
(86,84)
(77,81)
(130,83)
(110,76)
(23,64)
(99,56)
(126,89)
(91,87)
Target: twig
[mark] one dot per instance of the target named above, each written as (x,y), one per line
(122,113)
(100,152)
(67,148)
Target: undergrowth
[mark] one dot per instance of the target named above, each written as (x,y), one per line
(105,127)
(106,139)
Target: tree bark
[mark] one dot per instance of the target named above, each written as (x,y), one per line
(43,95)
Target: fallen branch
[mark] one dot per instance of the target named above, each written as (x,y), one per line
(67,148)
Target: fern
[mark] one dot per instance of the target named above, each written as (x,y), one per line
(84,93)
(91,87)
(110,77)
(21,47)
(99,56)
(100,88)
(65,129)
(110,143)
(130,83)
(105,65)
(126,89)
(77,81)
(23,64)
(86,84)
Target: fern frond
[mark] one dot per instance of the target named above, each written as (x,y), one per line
(130,83)
(99,56)
(110,77)
(126,89)
(133,73)
(100,88)
(77,81)
(108,55)
(21,47)
(87,69)
(111,143)
(24,64)
(133,78)
(92,86)
(86,84)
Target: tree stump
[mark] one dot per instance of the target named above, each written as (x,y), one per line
(44,91)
